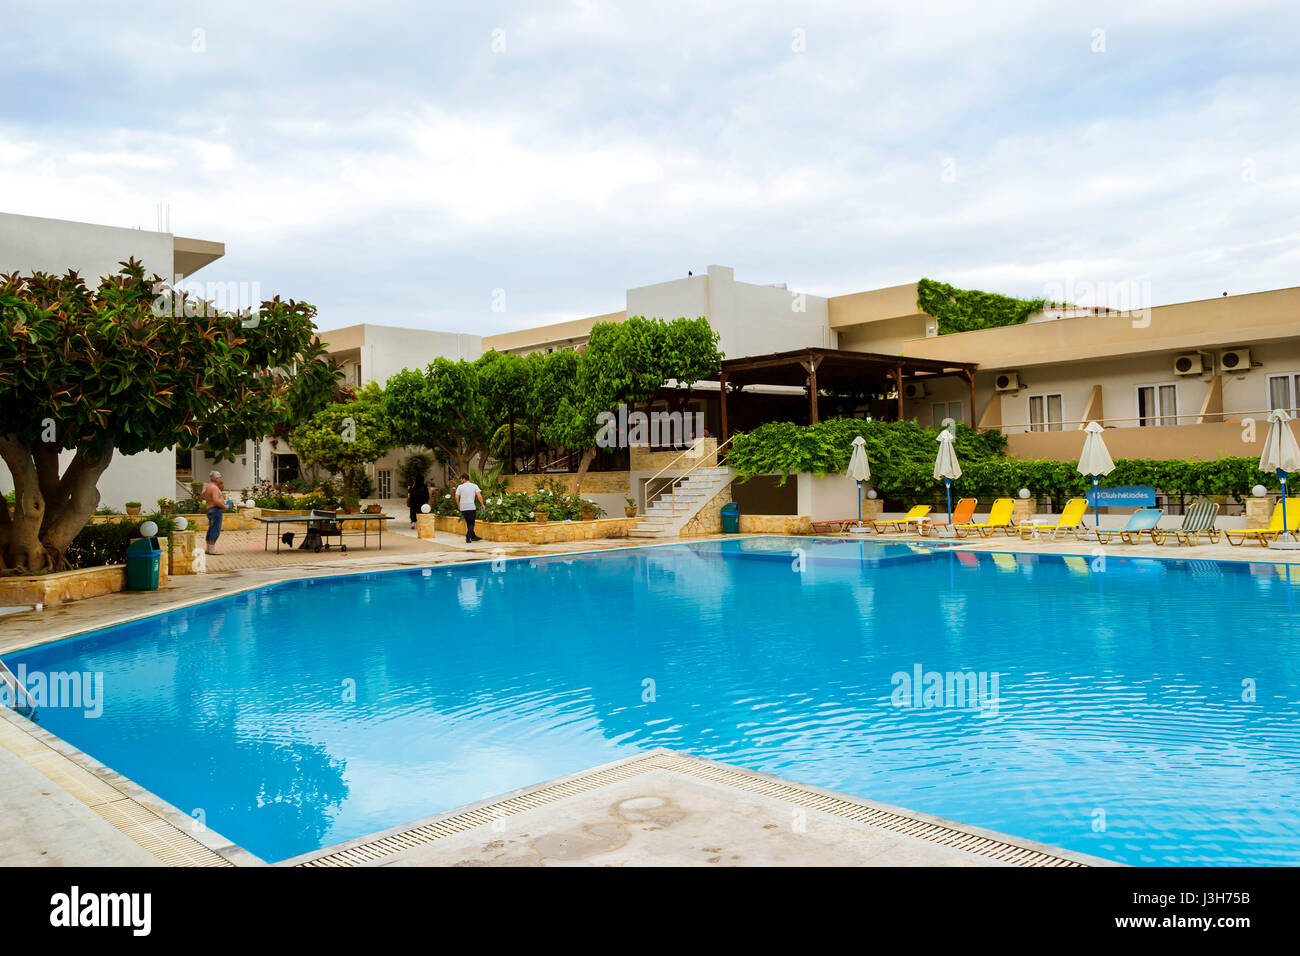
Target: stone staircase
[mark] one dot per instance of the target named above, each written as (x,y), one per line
(670,512)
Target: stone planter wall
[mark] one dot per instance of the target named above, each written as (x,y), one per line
(63,587)
(709,518)
(593,483)
(528,532)
(641,458)
(777,524)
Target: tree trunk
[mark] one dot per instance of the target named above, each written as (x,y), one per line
(588,457)
(511,456)
(48,511)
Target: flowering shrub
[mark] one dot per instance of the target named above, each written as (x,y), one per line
(511,506)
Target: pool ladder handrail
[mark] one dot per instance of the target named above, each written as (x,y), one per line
(8,678)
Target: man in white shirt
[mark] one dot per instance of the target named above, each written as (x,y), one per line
(466,494)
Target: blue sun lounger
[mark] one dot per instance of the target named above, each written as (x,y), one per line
(1143,521)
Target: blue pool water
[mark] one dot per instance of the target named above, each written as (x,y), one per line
(312,712)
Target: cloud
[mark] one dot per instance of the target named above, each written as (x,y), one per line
(396,162)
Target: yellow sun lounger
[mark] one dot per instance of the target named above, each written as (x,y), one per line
(1274,529)
(881,525)
(1072,515)
(999,517)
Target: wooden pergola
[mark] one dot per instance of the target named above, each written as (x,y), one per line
(834,370)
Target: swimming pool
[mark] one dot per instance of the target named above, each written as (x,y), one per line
(1105,709)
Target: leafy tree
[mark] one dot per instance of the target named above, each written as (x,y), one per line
(441,408)
(416,465)
(118,367)
(504,384)
(627,363)
(345,437)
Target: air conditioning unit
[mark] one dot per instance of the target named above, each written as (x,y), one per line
(1189,364)
(914,390)
(1235,360)
(1007,382)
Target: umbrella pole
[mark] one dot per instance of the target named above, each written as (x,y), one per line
(1281,477)
(1096,504)
(859,504)
(947,487)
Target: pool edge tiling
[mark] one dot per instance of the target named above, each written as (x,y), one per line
(166,833)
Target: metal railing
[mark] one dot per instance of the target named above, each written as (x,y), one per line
(16,688)
(1197,418)
(674,480)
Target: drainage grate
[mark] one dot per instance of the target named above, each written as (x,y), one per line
(989,847)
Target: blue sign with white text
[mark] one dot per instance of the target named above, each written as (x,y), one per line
(1122,496)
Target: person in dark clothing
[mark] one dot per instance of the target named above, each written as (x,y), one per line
(416,496)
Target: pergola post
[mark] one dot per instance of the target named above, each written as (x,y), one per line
(898,381)
(811,366)
(970,380)
(722,403)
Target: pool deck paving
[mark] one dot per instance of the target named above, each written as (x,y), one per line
(59,807)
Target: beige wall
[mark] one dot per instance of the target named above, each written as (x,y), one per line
(559,335)
(1212,324)
(873,306)
(886,337)
(1206,442)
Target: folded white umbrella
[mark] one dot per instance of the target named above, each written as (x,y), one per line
(1095,462)
(1281,453)
(859,469)
(946,466)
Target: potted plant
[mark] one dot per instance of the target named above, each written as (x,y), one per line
(541,516)
(374,509)
(133,507)
(165,506)
(630,508)
(588,511)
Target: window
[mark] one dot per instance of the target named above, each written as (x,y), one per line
(1046,412)
(286,468)
(944,410)
(1157,405)
(1284,391)
(356,374)
(385,483)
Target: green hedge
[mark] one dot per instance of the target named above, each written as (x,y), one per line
(780,448)
(105,543)
(902,463)
(966,310)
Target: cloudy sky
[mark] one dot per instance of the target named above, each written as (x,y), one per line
(399,162)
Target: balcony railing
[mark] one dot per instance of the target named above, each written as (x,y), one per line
(1141,421)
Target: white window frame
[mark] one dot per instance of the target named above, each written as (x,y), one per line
(384,483)
(959,418)
(1293,389)
(1161,415)
(1046,424)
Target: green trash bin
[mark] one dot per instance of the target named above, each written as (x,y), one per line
(730,518)
(142,560)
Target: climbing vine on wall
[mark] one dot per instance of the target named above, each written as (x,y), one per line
(966,310)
